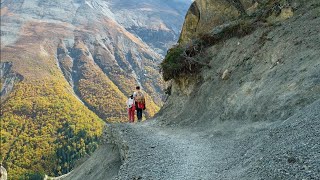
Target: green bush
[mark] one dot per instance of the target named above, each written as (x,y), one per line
(172,64)
(182,60)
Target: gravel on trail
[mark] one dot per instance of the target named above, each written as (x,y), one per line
(231,150)
(278,150)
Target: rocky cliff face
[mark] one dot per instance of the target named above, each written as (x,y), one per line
(203,15)
(8,79)
(261,66)
(158,23)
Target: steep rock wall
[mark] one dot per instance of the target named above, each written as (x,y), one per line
(204,15)
(272,73)
(8,79)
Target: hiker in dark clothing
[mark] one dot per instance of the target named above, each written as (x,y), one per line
(140,102)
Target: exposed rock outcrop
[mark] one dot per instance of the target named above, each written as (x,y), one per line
(273,68)
(3,173)
(8,79)
(204,15)
(158,23)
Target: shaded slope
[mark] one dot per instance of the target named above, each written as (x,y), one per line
(103,164)
(8,79)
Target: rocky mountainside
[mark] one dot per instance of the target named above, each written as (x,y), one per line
(158,23)
(244,101)
(67,65)
(103,30)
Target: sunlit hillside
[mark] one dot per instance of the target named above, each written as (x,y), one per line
(67,68)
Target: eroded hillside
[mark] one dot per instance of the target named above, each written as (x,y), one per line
(263,67)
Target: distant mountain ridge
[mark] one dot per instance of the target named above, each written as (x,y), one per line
(156,22)
(61,59)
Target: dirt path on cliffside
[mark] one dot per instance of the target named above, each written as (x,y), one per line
(170,153)
(230,150)
(287,149)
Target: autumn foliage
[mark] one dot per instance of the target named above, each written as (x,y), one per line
(45,129)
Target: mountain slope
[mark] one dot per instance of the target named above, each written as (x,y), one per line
(158,23)
(251,113)
(121,55)
(60,62)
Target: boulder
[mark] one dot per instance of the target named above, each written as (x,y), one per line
(203,15)
(3,173)
(226,75)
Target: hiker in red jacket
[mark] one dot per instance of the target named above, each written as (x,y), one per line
(140,102)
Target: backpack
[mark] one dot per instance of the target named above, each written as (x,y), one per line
(141,105)
(140,97)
